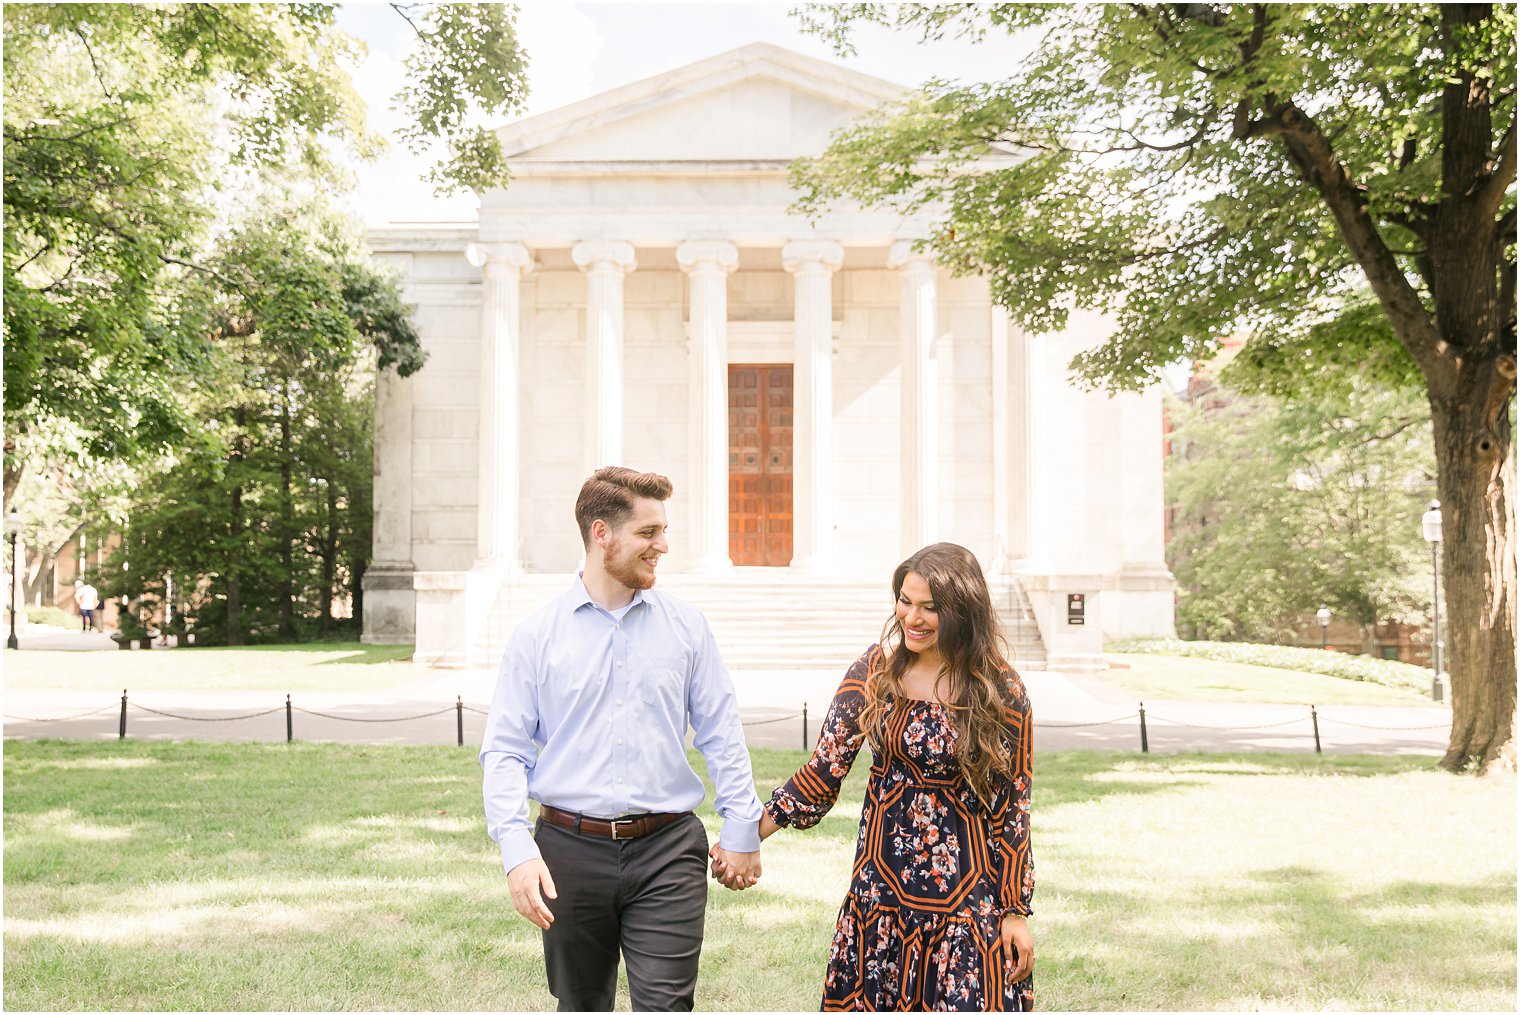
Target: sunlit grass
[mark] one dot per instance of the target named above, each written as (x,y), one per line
(1177,678)
(298,877)
(321,667)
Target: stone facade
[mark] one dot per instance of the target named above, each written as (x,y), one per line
(594,314)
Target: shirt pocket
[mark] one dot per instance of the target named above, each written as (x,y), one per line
(662,683)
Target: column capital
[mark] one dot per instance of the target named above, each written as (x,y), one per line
(695,255)
(903,254)
(591,255)
(515,256)
(814,255)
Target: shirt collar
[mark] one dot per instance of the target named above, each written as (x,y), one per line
(579,596)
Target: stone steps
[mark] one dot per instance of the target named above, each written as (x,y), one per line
(765,619)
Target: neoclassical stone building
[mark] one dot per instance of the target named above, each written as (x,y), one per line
(825,398)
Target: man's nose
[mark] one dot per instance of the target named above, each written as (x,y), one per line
(661,545)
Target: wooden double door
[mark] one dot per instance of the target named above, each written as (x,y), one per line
(760,464)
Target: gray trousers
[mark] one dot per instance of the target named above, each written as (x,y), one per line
(645,897)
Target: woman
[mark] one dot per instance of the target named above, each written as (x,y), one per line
(936,915)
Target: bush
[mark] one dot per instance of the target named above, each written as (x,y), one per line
(1308,660)
(51,616)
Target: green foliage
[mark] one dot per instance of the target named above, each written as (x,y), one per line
(124,125)
(1133,164)
(1285,505)
(51,616)
(1332,664)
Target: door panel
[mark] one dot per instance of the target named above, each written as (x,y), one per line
(760,465)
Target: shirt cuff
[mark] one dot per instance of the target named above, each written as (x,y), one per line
(518,847)
(740,836)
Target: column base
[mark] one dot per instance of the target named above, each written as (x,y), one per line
(390,604)
(814,567)
(710,565)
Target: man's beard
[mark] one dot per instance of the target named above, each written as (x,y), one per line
(624,570)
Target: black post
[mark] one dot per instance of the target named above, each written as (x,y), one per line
(804,726)
(1314,717)
(1145,741)
(290,733)
(121,734)
(11,642)
(459,712)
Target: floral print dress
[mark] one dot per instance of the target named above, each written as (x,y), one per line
(935,871)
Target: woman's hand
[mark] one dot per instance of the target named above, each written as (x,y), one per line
(1018,947)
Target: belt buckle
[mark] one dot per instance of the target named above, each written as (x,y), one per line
(614,822)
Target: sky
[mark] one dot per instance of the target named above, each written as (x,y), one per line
(576,50)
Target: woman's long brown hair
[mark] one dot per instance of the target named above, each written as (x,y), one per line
(975,662)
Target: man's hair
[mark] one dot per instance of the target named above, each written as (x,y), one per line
(609,495)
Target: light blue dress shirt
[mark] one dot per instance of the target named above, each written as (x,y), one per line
(590,715)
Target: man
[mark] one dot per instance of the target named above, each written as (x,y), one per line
(589,718)
(87,599)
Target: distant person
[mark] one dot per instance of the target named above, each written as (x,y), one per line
(936,918)
(589,718)
(88,600)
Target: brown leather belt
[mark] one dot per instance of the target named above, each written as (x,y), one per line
(616,829)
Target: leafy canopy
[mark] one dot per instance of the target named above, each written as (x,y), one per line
(1128,164)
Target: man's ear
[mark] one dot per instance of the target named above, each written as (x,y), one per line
(598,532)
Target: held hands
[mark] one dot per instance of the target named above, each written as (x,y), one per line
(734,871)
(530,882)
(1018,947)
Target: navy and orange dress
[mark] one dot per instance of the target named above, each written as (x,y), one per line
(935,870)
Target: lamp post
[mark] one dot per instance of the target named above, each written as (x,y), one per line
(12,528)
(1431,523)
(1323,615)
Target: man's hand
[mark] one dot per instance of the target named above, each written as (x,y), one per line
(1018,947)
(526,880)
(734,871)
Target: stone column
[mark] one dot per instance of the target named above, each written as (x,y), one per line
(605,262)
(920,403)
(812,264)
(390,602)
(708,264)
(1012,413)
(502,267)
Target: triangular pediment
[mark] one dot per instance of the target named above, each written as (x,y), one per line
(760,102)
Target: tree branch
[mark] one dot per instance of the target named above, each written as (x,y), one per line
(1490,193)
(1310,150)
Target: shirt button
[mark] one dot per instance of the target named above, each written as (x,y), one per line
(620,741)
(620,703)
(620,778)
(620,662)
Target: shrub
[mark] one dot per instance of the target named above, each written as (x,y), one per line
(50,616)
(1308,660)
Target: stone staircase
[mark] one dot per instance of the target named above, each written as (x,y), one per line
(771,619)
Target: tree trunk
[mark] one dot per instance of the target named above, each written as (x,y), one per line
(329,556)
(356,591)
(234,561)
(1477,485)
(287,525)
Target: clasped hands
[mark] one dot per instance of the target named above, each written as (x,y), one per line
(734,871)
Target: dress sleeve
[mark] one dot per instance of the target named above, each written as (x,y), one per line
(809,794)
(1016,881)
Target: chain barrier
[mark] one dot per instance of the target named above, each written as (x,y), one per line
(354,718)
(459,708)
(1076,725)
(62,718)
(208,718)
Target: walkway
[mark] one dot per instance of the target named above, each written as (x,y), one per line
(1070,712)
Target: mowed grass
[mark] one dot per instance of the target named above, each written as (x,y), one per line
(347,666)
(1177,678)
(144,875)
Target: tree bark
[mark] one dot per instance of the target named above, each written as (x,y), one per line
(1477,485)
(234,578)
(287,524)
(329,556)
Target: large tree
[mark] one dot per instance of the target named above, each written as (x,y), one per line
(1202,170)
(124,124)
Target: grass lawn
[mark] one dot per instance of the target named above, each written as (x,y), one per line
(343,666)
(291,877)
(1176,678)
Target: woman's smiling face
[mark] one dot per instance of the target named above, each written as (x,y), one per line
(916,613)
